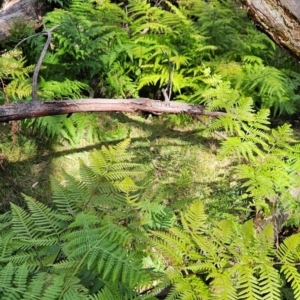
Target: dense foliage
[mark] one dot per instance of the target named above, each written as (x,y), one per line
(107,234)
(101,239)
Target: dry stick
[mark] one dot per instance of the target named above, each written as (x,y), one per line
(169,85)
(171,73)
(202,121)
(167,99)
(39,63)
(4,92)
(27,38)
(23,40)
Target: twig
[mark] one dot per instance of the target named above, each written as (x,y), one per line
(167,92)
(171,72)
(167,99)
(39,63)
(199,118)
(29,37)
(22,41)
(4,92)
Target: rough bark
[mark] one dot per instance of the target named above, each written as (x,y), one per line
(14,12)
(21,111)
(280,19)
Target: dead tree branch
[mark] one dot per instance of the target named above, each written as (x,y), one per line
(20,111)
(39,63)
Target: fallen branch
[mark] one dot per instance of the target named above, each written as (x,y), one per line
(20,111)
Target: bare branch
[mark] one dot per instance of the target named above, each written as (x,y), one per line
(39,63)
(166,96)
(36,109)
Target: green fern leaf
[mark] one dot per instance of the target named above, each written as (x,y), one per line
(269,282)
(288,250)
(221,285)
(195,218)
(23,224)
(248,287)
(292,275)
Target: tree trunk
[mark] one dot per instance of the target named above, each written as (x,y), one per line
(15,12)
(280,19)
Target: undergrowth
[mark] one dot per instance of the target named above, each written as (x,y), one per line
(194,210)
(119,229)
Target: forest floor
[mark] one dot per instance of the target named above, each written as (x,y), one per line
(181,163)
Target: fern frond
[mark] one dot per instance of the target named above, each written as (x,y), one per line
(105,294)
(292,275)
(21,283)
(19,88)
(35,287)
(5,245)
(248,286)
(68,200)
(194,220)
(62,89)
(45,219)
(127,185)
(6,277)
(288,251)
(21,278)
(269,282)
(107,258)
(23,224)
(222,286)
(160,241)
(23,256)
(190,287)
